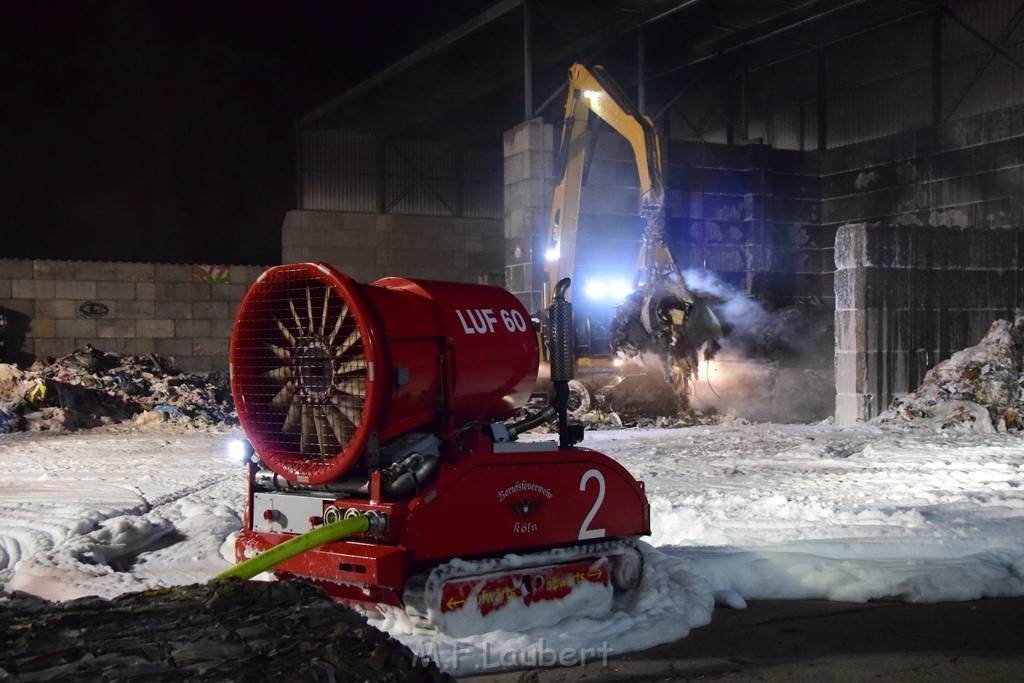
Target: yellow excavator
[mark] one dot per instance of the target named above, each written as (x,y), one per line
(661,326)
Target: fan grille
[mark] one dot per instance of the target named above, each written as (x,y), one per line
(300,366)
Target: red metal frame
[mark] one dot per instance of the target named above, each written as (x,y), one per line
(484,503)
(439,356)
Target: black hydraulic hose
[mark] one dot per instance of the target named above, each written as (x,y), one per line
(532,421)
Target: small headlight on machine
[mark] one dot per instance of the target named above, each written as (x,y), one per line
(240,450)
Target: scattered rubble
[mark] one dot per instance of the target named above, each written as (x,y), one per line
(92,388)
(596,420)
(602,418)
(979,388)
(227,630)
(644,395)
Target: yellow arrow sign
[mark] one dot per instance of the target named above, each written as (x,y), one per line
(453,603)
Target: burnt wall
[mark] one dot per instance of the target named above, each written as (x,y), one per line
(967,173)
(747,214)
(765,219)
(940,210)
(750,215)
(910,296)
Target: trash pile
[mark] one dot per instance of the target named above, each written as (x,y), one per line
(91,388)
(979,388)
(229,630)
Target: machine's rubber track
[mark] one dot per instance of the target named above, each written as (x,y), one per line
(422,592)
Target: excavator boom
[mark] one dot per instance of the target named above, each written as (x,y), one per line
(593,90)
(661,317)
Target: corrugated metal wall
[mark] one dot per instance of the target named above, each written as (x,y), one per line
(880,83)
(876,84)
(338,171)
(421,178)
(483,173)
(778,112)
(345,170)
(976,80)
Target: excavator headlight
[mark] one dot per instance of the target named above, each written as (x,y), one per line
(612,291)
(619,289)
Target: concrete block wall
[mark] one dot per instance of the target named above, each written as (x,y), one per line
(182,312)
(751,215)
(529,164)
(748,214)
(908,297)
(369,246)
(965,173)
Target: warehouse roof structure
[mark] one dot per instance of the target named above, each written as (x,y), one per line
(507,63)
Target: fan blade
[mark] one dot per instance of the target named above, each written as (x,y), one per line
(356,365)
(279,351)
(355,386)
(306,432)
(285,332)
(309,309)
(323,316)
(279,375)
(284,396)
(321,430)
(348,409)
(341,426)
(295,316)
(291,421)
(349,342)
(338,323)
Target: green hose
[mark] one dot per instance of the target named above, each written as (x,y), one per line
(299,544)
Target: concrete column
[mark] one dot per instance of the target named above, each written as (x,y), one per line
(852,398)
(529,166)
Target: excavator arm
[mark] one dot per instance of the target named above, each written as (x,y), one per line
(593,90)
(661,316)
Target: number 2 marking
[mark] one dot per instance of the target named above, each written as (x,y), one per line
(586,533)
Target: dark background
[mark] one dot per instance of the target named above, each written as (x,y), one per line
(163,131)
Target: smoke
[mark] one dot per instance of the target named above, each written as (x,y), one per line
(774,365)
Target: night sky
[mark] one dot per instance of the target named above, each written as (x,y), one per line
(163,131)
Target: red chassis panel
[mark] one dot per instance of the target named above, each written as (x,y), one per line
(483,504)
(496,503)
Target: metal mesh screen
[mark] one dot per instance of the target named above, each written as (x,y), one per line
(303,374)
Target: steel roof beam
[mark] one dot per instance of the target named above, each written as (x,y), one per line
(416,57)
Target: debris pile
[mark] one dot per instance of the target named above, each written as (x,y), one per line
(227,630)
(979,388)
(602,417)
(596,420)
(91,388)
